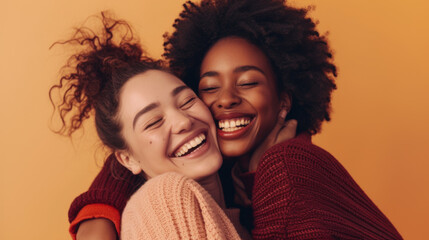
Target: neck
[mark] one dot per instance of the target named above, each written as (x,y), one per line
(242,161)
(213,186)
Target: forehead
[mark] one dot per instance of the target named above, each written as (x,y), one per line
(146,88)
(150,84)
(231,52)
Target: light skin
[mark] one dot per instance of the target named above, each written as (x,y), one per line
(167,128)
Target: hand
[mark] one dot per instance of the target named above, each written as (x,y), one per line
(281,132)
(96,229)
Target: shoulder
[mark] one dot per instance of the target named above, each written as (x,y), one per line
(299,162)
(299,146)
(164,185)
(161,193)
(300,153)
(305,183)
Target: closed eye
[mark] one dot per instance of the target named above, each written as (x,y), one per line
(155,124)
(208,89)
(248,84)
(188,103)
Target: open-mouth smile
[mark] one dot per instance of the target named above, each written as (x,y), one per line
(191,145)
(231,125)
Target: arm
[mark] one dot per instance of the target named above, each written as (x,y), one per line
(97,229)
(105,198)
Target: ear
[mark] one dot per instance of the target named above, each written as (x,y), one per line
(285,101)
(127,160)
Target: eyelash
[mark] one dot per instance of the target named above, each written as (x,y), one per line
(208,89)
(211,89)
(159,121)
(249,84)
(184,106)
(154,123)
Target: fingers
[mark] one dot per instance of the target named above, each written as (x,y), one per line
(280,124)
(292,123)
(282,114)
(288,131)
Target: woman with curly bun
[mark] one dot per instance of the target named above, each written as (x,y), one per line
(251,61)
(156,127)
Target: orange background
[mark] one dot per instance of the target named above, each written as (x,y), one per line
(379,129)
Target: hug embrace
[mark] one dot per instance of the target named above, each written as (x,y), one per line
(214,142)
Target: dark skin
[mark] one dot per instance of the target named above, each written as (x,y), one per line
(238,83)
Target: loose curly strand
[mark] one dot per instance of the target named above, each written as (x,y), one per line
(92,77)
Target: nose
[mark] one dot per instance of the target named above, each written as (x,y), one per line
(228,98)
(181,122)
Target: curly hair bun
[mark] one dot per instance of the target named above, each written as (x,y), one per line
(89,75)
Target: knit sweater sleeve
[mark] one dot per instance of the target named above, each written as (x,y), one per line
(171,206)
(112,187)
(303,192)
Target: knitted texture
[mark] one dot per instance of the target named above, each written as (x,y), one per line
(171,206)
(302,192)
(112,186)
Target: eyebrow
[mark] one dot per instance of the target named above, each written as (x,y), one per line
(178,90)
(152,106)
(143,111)
(240,69)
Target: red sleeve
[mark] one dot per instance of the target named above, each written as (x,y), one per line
(302,192)
(113,186)
(96,211)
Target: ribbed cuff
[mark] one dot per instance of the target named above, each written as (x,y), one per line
(113,199)
(92,211)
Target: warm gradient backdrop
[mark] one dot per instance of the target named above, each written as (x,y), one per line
(379,129)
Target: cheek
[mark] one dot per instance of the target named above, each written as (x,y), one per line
(264,101)
(156,143)
(205,115)
(267,107)
(207,99)
(202,110)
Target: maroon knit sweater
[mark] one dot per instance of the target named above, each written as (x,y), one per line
(113,186)
(299,192)
(302,192)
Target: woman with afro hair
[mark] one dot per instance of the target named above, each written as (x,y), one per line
(254,62)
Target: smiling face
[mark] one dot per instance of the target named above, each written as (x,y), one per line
(167,128)
(238,85)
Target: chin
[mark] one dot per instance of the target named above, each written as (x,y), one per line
(232,151)
(209,169)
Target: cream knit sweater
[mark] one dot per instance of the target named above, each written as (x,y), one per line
(172,206)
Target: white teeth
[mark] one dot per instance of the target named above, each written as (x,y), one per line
(191,144)
(233,124)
